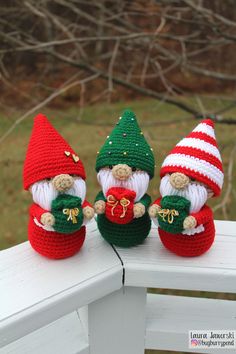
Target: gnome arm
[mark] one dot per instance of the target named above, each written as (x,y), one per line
(86,204)
(157,201)
(88,211)
(145,201)
(36,211)
(99,205)
(100,196)
(141,206)
(203,216)
(43,216)
(153,210)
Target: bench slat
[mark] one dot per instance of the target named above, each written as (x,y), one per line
(65,335)
(36,291)
(151,265)
(169,318)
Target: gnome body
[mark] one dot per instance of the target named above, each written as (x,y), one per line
(55,176)
(125,165)
(190,174)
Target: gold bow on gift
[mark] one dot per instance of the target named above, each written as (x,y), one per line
(72,213)
(112,201)
(169,213)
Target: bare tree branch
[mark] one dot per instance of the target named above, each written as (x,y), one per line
(55,94)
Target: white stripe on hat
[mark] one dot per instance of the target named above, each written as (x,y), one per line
(200,144)
(195,164)
(205,128)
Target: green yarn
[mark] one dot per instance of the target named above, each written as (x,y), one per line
(181,205)
(100,196)
(145,200)
(127,145)
(126,235)
(64,220)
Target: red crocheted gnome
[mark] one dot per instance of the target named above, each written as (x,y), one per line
(190,174)
(55,176)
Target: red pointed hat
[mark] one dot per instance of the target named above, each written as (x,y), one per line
(48,154)
(198,157)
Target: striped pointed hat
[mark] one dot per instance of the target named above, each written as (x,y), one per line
(198,157)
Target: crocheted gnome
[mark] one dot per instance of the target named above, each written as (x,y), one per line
(125,165)
(190,174)
(55,176)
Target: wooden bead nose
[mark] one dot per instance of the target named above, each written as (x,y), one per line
(121,172)
(62,182)
(179,180)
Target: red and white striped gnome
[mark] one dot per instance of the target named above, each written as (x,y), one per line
(190,174)
(55,176)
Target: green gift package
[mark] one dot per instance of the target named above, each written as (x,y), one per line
(68,213)
(174,209)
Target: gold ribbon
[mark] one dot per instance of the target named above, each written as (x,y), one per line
(169,213)
(72,213)
(112,201)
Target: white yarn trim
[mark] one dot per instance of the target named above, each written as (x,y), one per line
(155,220)
(195,164)
(189,232)
(202,145)
(205,128)
(195,230)
(50,228)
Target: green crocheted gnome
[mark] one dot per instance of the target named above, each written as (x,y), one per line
(125,165)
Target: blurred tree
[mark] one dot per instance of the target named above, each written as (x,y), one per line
(165,49)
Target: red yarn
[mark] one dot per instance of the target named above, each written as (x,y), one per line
(189,246)
(198,153)
(55,245)
(198,157)
(119,205)
(46,155)
(204,137)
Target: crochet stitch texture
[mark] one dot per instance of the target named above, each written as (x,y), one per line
(169,220)
(68,213)
(126,145)
(55,245)
(48,154)
(126,235)
(198,157)
(189,246)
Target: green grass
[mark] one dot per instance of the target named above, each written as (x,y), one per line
(86,136)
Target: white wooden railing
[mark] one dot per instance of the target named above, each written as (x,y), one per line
(96,302)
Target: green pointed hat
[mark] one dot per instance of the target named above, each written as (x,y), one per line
(127,145)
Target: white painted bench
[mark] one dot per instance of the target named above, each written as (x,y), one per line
(96,302)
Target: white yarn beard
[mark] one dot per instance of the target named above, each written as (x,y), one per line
(194,192)
(43,192)
(137,182)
